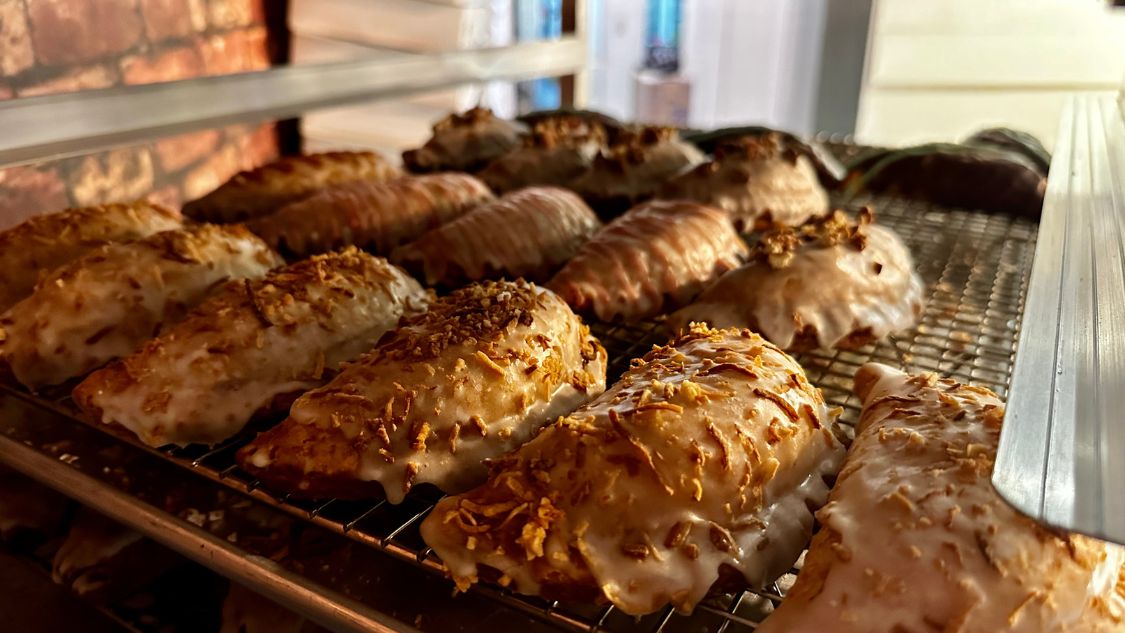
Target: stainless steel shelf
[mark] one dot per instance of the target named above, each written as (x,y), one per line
(1060,457)
(43,128)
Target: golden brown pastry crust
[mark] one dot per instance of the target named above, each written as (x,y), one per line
(266,189)
(373,215)
(556,151)
(914,537)
(634,168)
(464,142)
(251,348)
(470,379)
(107,303)
(45,242)
(758,181)
(528,233)
(656,257)
(709,453)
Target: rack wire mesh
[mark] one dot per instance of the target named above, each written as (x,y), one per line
(976,268)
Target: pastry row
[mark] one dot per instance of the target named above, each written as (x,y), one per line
(700,469)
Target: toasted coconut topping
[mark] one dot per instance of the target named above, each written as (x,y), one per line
(632,145)
(468,118)
(478,312)
(565,131)
(778,246)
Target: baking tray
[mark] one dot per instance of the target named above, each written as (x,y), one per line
(976,268)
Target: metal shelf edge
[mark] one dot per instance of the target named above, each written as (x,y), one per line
(55,126)
(284,587)
(1058,457)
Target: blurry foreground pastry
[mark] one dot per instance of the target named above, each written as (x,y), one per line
(261,191)
(703,464)
(527,233)
(914,537)
(832,282)
(474,377)
(654,258)
(250,349)
(377,216)
(758,180)
(108,302)
(43,243)
(464,142)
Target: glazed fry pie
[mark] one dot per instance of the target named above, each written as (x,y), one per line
(656,257)
(372,215)
(758,180)
(474,377)
(464,142)
(633,168)
(105,304)
(257,192)
(528,233)
(702,464)
(557,150)
(914,537)
(832,282)
(251,348)
(45,242)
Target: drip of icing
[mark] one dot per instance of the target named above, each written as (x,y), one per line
(835,290)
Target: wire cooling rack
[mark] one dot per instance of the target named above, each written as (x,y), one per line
(976,269)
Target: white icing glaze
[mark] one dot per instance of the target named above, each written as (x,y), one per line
(404,415)
(655,257)
(45,242)
(709,453)
(634,169)
(835,290)
(464,142)
(914,537)
(107,303)
(200,383)
(749,188)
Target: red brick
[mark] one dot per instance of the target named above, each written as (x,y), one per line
(75,31)
(260,145)
(236,51)
(258,11)
(27,192)
(220,166)
(115,176)
(88,78)
(6,92)
(16,53)
(230,14)
(178,152)
(168,196)
(178,63)
(166,19)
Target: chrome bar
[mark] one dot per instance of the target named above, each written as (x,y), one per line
(42,128)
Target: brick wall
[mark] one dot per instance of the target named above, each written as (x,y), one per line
(53,46)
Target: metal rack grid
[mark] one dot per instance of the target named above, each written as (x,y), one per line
(976,268)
